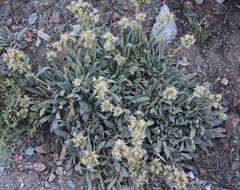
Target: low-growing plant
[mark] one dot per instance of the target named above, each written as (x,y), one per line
(18,112)
(201,31)
(124,112)
(7,39)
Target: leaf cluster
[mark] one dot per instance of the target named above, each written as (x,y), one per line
(177,127)
(7,39)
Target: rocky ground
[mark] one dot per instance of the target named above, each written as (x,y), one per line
(35,163)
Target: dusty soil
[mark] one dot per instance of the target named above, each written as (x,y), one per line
(216,60)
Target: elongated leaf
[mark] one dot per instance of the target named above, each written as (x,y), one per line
(166,150)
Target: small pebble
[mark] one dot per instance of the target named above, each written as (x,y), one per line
(224,81)
(2,169)
(32,18)
(34,144)
(95,11)
(38,42)
(51,177)
(55,18)
(199,2)
(43,35)
(190,175)
(29,151)
(59,163)
(208,187)
(19,142)
(237,174)
(2,11)
(47,185)
(59,171)
(220,1)
(9,22)
(71,184)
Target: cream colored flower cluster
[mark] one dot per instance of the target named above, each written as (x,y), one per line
(82,11)
(120,149)
(100,87)
(156,167)
(77,82)
(15,60)
(180,179)
(51,56)
(187,40)
(166,18)
(79,140)
(65,41)
(134,24)
(202,91)
(110,40)
(177,179)
(137,129)
(25,104)
(87,38)
(119,59)
(90,159)
(170,93)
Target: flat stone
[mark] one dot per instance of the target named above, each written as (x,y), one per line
(43,35)
(44,149)
(71,184)
(32,18)
(55,18)
(29,151)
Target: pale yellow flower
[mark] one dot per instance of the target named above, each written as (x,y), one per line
(188,40)
(77,82)
(124,22)
(120,59)
(106,106)
(118,111)
(51,56)
(90,159)
(167,17)
(79,140)
(170,93)
(140,17)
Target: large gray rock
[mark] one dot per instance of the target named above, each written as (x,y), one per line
(169,31)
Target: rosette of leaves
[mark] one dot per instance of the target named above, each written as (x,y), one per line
(137,84)
(7,39)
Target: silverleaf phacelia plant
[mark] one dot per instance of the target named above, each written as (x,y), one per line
(124,111)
